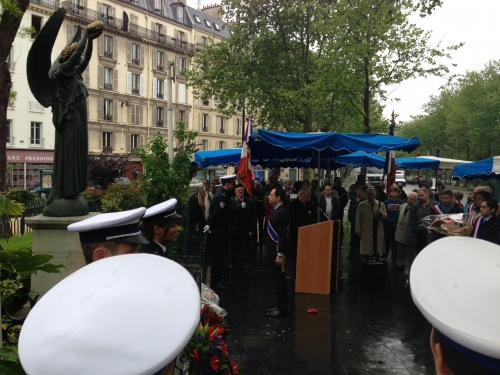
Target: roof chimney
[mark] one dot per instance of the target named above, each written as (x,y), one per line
(213,10)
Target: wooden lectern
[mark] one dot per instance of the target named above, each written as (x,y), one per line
(314,258)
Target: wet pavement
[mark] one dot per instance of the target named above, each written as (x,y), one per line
(356,331)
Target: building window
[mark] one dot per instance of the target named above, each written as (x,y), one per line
(106,139)
(159,88)
(207,23)
(36,24)
(181,94)
(158,6)
(108,110)
(134,141)
(238,144)
(204,100)
(181,65)
(197,19)
(136,54)
(108,78)
(182,117)
(204,122)
(204,145)
(108,46)
(159,117)
(8,132)
(36,134)
(135,113)
(216,27)
(159,60)
(136,84)
(220,122)
(180,14)
(107,14)
(222,145)
(238,127)
(204,40)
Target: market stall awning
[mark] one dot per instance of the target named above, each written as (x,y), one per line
(214,158)
(428,162)
(288,145)
(484,169)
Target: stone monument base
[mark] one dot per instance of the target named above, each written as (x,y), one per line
(51,236)
(65,207)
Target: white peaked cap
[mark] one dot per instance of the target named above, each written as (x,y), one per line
(455,282)
(122,315)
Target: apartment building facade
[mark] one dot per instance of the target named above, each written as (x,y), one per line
(126,80)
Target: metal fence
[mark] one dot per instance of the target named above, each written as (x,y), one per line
(16,225)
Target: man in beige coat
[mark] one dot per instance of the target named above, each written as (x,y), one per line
(370,214)
(406,248)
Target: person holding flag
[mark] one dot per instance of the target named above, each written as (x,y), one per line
(390,161)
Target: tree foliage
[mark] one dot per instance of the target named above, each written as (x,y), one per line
(315,64)
(464,118)
(106,168)
(161,179)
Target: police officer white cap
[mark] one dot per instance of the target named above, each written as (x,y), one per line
(227,178)
(115,226)
(122,315)
(164,210)
(455,282)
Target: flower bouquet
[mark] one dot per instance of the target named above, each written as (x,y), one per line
(449,225)
(208,352)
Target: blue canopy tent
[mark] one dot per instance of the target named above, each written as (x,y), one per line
(428,162)
(483,169)
(326,146)
(213,158)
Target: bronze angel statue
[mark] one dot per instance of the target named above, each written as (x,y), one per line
(60,85)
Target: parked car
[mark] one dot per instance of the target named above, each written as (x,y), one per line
(195,183)
(42,192)
(411,180)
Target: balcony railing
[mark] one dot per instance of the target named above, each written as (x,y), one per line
(159,123)
(221,130)
(36,141)
(136,91)
(35,106)
(108,54)
(113,22)
(159,96)
(10,140)
(159,67)
(204,128)
(108,86)
(200,47)
(108,117)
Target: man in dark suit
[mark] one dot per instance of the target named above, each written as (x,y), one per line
(487,226)
(219,218)
(242,227)
(277,248)
(301,214)
(159,226)
(330,205)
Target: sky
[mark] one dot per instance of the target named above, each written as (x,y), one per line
(475,23)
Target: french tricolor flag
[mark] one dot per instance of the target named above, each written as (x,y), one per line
(390,160)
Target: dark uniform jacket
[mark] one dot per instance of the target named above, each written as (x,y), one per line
(219,214)
(243,220)
(153,248)
(280,222)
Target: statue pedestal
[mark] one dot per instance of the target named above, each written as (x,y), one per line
(51,236)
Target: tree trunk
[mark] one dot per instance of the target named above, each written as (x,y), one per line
(9,25)
(5,86)
(366,100)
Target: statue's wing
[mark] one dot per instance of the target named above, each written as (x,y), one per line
(39,63)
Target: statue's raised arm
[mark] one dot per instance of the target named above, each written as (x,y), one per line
(60,85)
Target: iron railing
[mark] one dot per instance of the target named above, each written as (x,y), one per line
(116,23)
(48,3)
(108,86)
(16,225)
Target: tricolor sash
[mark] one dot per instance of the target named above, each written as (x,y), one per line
(273,235)
(438,210)
(472,218)
(477,225)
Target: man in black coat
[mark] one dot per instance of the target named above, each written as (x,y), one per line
(301,214)
(446,207)
(219,219)
(277,248)
(242,227)
(487,226)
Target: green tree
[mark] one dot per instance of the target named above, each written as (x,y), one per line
(10,20)
(316,64)
(161,179)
